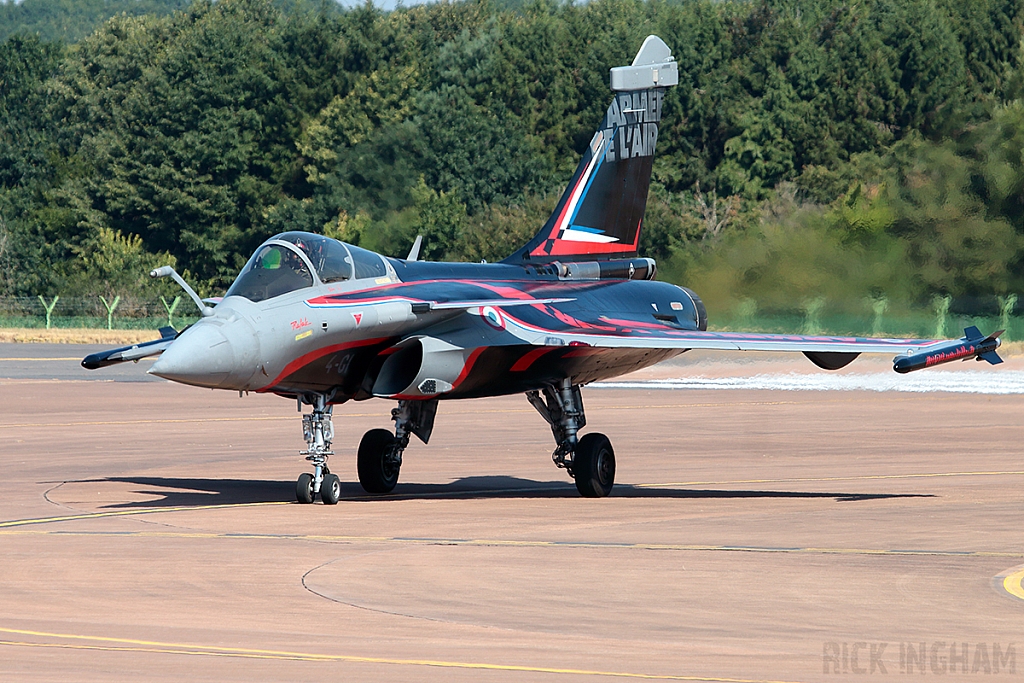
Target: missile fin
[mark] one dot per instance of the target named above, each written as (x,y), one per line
(990,356)
(994,335)
(971,333)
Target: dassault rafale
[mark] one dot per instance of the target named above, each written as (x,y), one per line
(321,322)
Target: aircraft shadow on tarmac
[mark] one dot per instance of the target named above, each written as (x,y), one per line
(200,492)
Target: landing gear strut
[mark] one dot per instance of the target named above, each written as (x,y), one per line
(590,460)
(380,452)
(318,431)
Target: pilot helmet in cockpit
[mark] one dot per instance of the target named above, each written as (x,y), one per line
(313,247)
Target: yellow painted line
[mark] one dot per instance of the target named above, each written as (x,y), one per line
(198,420)
(133,645)
(510,543)
(206,535)
(130,513)
(1012,584)
(10,381)
(866,477)
(185,508)
(149,650)
(88,423)
(719,404)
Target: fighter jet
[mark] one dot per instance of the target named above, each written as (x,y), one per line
(322,322)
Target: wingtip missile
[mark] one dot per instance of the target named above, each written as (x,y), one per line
(972,345)
(135,352)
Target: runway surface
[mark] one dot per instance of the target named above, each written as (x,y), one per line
(148,533)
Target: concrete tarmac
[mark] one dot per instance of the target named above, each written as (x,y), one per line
(148,532)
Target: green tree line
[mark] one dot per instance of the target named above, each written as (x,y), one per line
(854,151)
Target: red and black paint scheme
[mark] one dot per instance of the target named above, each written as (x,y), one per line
(601,211)
(323,322)
(973,344)
(503,355)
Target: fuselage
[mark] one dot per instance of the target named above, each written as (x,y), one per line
(421,329)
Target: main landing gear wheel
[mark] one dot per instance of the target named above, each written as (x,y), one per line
(589,460)
(330,489)
(378,461)
(593,465)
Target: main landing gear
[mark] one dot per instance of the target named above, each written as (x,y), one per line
(318,431)
(589,460)
(380,452)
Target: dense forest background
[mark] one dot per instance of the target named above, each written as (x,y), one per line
(814,150)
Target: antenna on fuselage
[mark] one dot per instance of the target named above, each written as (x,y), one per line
(414,253)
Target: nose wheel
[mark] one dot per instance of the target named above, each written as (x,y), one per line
(318,431)
(330,489)
(304,491)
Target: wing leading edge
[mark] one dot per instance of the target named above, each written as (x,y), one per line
(828,352)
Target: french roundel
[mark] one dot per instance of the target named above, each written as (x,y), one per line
(493,317)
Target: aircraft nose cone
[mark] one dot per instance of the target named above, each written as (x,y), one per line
(202,356)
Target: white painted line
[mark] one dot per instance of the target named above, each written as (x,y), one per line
(961,382)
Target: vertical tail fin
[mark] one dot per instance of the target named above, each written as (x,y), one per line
(600,213)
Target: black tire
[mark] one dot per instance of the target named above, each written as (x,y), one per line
(304,488)
(376,475)
(330,489)
(593,465)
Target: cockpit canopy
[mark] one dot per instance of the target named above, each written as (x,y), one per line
(288,261)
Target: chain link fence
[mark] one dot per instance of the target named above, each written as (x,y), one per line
(944,317)
(119,313)
(923,326)
(947,318)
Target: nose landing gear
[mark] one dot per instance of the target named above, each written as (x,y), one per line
(318,431)
(590,461)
